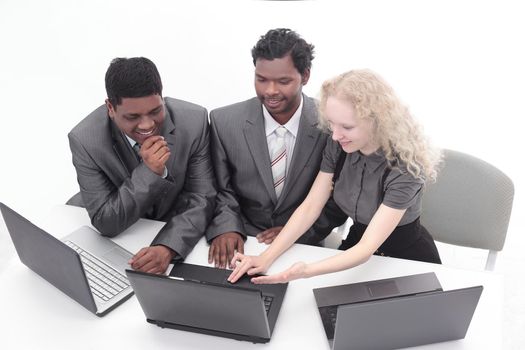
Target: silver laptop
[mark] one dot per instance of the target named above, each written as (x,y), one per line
(200,299)
(84,265)
(398,312)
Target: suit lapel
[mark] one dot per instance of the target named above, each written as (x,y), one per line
(307,138)
(168,131)
(258,146)
(123,149)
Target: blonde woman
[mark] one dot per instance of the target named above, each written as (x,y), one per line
(375,166)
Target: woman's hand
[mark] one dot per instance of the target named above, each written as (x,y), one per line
(247,264)
(296,271)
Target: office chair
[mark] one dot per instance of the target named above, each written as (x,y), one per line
(469,205)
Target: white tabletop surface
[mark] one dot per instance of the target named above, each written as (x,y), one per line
(38,316)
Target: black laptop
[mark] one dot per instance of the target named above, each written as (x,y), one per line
(395,312)
(199,299)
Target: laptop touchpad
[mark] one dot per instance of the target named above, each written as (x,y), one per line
(382,289)
(117,256)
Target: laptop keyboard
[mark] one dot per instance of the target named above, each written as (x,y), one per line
(329,316)
(104,281)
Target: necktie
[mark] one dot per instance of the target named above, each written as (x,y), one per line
(278,157)
(136,148)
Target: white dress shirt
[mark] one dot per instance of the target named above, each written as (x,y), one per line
(292,126)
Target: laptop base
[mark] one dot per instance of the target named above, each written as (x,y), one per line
(240,337)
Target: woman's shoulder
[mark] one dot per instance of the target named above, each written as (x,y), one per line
(399,172)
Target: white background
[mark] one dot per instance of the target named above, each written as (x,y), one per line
(459,65)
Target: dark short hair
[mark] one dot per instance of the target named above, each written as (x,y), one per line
(279,42)
(132,77)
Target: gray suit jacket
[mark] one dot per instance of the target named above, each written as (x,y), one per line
(117,189)
(246,200)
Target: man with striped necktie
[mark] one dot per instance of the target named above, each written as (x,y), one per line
(267,151)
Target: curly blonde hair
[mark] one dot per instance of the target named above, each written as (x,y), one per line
(394,129)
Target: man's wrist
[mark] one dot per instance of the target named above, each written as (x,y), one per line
(229,233)
(172,253)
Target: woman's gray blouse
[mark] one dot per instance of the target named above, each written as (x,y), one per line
(359,189)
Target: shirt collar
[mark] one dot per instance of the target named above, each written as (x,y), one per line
(292,126)
(130,140)
(373,161)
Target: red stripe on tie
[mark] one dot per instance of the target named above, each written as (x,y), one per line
(279,157)
(278,182)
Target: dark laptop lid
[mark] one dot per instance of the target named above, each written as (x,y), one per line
(329,298)
(406,321)
(203,307)
(48,257)
(220,276)
(376,289)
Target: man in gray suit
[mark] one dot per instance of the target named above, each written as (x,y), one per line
(266,151)
(141,155)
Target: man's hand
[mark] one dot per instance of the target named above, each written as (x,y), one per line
(223,247)
(267,236)
(155,153)
(153,259)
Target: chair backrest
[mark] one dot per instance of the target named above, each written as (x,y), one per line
(469,205)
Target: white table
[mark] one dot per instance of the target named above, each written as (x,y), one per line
(35,315)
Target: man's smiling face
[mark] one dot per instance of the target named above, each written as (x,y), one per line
(139,117)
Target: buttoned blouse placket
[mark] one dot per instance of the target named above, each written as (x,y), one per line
(362,165)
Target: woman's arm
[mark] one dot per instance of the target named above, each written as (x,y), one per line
(303,217)
(383,223)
